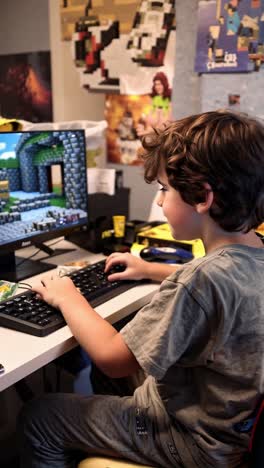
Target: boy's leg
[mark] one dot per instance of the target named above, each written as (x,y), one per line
(56,429)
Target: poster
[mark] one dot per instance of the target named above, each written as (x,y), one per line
(230,36)
(25,86)
(119,45)
(123,115)
(130,117)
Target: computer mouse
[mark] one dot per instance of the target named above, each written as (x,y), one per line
(166,254)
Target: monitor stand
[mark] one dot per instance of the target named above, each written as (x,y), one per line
(15,269)
(52,252)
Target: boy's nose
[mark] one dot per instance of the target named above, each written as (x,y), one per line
(159,200)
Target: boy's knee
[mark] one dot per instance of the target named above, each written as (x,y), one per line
(27,416)
(33,415)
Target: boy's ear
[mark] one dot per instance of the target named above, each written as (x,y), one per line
(204,207)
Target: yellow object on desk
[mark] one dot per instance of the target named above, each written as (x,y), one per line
(10,125)
(119,223)
(260,229)
(160,236)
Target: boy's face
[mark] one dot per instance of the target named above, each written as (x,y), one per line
(183,218)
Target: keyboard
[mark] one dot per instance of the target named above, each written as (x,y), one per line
(26,313)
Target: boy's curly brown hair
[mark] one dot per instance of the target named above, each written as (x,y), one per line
(221,148)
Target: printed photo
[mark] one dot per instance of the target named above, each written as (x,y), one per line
(25,87)
(230,36)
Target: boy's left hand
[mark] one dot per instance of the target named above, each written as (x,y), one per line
(57,290)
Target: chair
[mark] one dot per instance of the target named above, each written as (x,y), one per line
(256,445)
(106,462)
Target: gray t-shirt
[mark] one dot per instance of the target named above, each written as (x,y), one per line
(201,343)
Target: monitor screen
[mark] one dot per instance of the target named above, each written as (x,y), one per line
(43,191)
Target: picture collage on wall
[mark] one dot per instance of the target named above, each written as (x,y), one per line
(129,117)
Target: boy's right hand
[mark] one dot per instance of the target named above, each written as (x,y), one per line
(57,290)
(135,267)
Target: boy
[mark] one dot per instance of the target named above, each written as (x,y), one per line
(200,340)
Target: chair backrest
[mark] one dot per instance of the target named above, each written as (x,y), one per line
(256,446)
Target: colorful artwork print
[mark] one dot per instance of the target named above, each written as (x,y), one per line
(119,45)
(125,119)
(25,86)
(161,108)
(230,36)
(130,117)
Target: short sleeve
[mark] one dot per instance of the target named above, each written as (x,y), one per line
(174,328)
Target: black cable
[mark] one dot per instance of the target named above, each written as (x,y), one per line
(28,258)
(39,250)
(56,242)
(23,285)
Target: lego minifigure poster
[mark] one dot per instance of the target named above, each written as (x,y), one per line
(119,45)
(124,124)
(230,36)
(129,117)
(25,87)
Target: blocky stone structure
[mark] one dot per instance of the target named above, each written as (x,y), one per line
(36,155)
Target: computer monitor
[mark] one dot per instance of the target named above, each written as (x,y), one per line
(43,193)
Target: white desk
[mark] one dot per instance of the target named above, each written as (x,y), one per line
(21,354)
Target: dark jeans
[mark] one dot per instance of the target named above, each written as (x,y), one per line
(58,430)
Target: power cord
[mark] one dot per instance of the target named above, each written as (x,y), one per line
(36,253)
(28,258)
(22,285)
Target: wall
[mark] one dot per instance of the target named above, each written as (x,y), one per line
(24,26)
(215,91)
(186,85)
